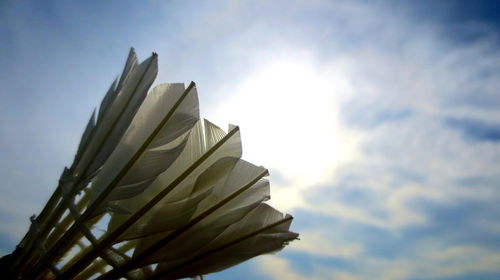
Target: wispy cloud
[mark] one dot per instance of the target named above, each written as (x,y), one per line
(390,86)
(378,121)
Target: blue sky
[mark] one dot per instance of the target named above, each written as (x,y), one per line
(379,120)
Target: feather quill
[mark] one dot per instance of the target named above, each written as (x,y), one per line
(228,145)
(97,141)
(161,152)
(155,127)
(263,230)
(89,129)
(107,134)
(117,118)
(180,203)
(143,256)
(209,227)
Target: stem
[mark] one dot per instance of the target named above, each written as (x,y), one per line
(98,265)
(62,226)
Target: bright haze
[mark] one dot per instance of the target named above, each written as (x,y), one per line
(379,120)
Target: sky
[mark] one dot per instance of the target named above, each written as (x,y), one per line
(378,120)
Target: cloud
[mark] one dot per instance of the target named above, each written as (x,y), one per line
(427,263)
(278,268)
(397,91)
(321,244)
(376,151)
(476,130)
(379,126)
(374,106)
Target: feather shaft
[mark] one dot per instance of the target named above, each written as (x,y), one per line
(65,239)
(164,274)
(111,236)
(136,260)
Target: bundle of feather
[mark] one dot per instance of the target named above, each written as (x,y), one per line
(172,191)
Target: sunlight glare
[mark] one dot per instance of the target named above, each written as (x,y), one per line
(288,114)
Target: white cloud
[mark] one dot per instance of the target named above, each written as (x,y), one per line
(311,149)
(346,96)
(427,263)
(308,102)
(325,244)
(441,261)
(395,64)
(278,268)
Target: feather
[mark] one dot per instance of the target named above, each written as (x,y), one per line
(170,214)
(115,257)
(118,117)
(206,133)
(202,233)
(107,100)
(178,192)
(186,195)
(263,230)
(223,215)
(136,81)
(213,221)
(117,85)
(149,122)
(131,61)
(89,129)
(168,141)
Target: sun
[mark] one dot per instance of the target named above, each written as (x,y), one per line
(288,111)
